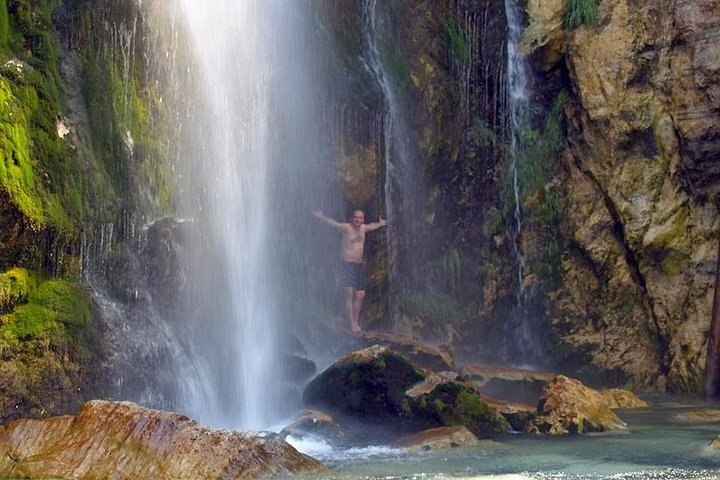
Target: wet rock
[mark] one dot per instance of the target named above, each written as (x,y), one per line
(568,406)
(519,415)
(313,423)
(297,368)
(378,385)
(421,354)
(439,438)
(507,383)
(715,443)
(124,441)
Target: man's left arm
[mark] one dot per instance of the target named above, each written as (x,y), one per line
(375,225)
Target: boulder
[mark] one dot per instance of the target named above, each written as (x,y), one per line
(568,406)
(421,354)
(519,415)
(715,443)
(380,386)
(507,383)
(619,398)
(439,438)
(122,440)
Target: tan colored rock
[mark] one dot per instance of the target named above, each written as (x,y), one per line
(642,166)
(545,30)
(124,441)
(619,398)
(715,443)
(439,438)
(568,406)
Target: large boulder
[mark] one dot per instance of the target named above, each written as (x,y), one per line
(568,406)
(122,440)
(379,386)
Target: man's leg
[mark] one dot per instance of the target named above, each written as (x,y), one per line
(356,306)
(349,301)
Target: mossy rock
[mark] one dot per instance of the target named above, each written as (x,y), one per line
(453,403)
(369,383)
(15,286)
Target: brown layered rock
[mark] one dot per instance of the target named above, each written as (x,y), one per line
(638,183)
(124,441)
(419,353)
(439,438)
(568,406)
(698,416)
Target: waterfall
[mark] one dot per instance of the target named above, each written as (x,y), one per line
(403,179)
(248,173)
(518,92)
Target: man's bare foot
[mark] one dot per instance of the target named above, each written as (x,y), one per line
(356,329)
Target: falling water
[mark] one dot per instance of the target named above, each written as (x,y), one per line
(519,113)
(246,174)
(403,179)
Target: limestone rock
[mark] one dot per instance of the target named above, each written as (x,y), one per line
(439,438)
(715,443)
(568,406)
(545,31)
(124,441)
(639,180)
(421,354)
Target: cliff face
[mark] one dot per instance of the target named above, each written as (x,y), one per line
(640,187)
(617,190)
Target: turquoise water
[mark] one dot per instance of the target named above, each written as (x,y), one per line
(656,445)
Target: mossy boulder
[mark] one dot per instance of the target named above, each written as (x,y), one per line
(380,387)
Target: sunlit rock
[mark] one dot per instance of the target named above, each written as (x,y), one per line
(124,441)
(545,31)
(568,406)
(439,438)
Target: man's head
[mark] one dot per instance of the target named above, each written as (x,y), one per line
(358,218)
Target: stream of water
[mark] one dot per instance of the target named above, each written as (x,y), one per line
(655,446)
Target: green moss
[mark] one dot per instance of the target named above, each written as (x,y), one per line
(15,286)
(456,39)
(52,306)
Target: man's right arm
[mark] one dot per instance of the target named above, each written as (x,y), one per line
(319,214)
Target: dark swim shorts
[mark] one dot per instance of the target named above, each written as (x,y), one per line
(352,275)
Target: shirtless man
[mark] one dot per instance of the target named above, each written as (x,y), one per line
(352,245)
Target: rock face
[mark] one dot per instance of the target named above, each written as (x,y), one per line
(568,406)
(507,383)
(124,441)
(378,386)
(639,182)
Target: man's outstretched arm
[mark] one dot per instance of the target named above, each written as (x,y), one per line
(375,225)
(319,214)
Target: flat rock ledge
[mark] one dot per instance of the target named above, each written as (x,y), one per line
(122,440)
